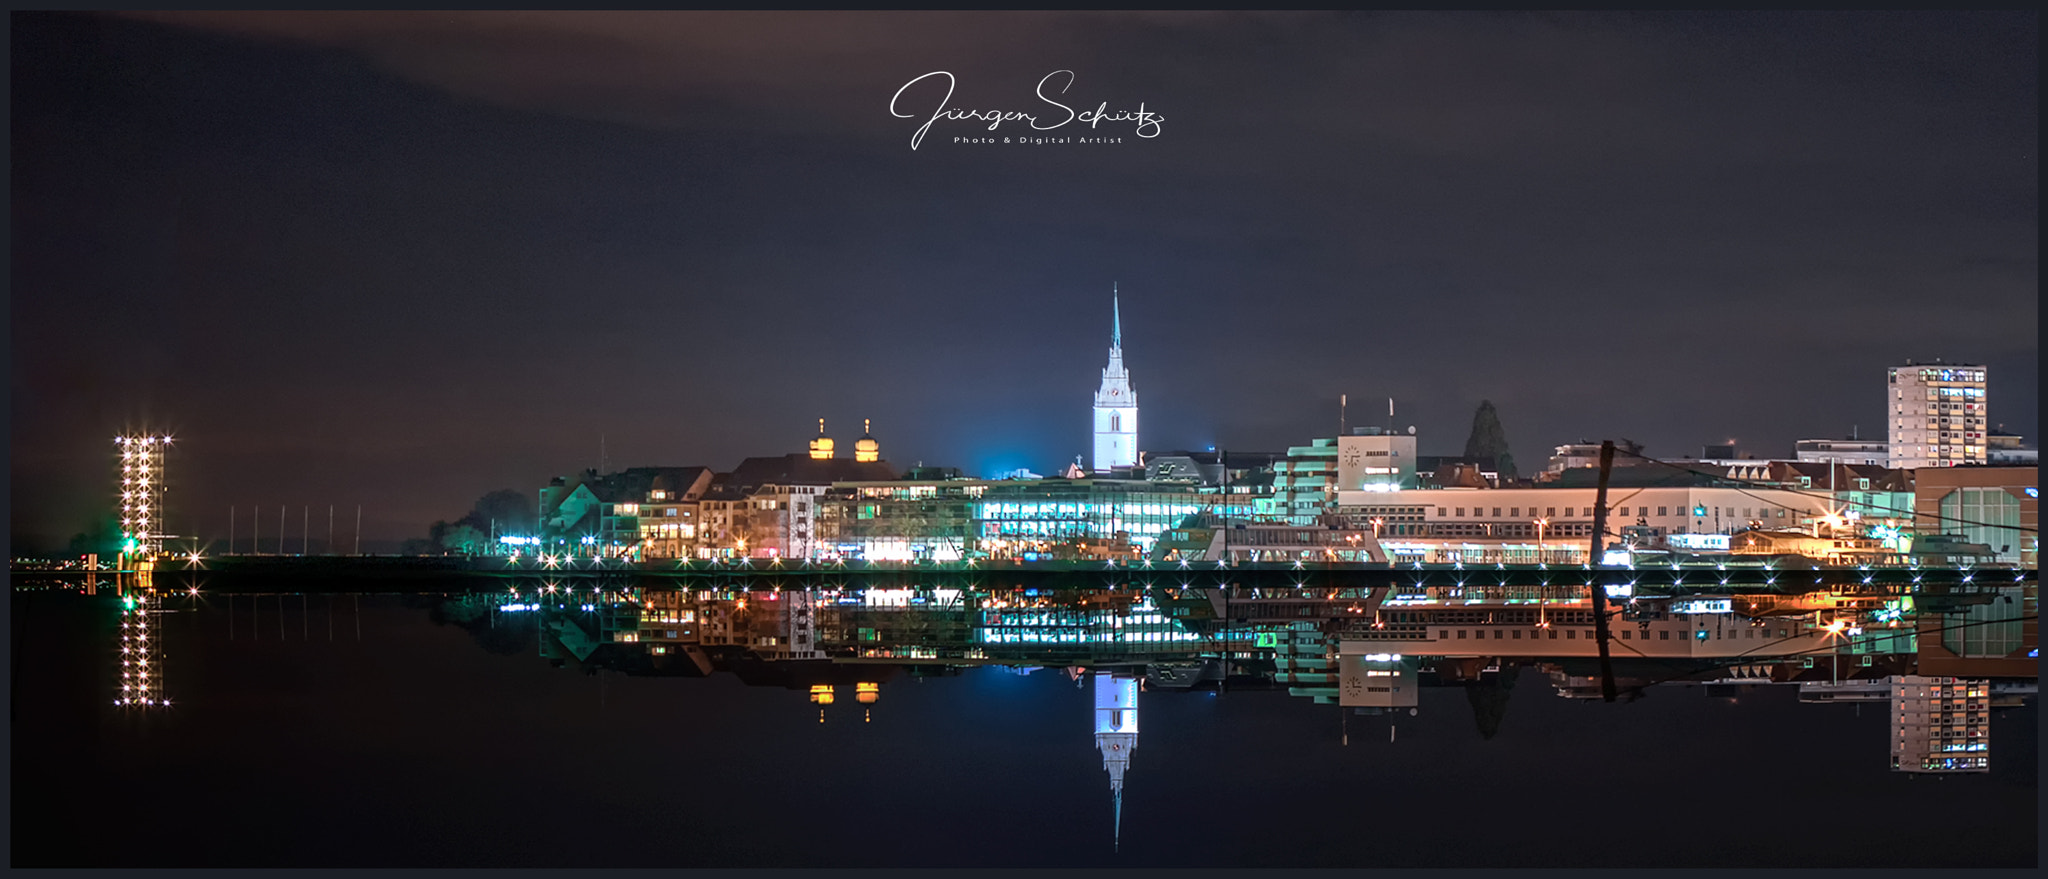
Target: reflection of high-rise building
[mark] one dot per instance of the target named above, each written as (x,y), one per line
(1941,724)
(1116,733)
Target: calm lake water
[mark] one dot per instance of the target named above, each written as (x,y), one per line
(296,742)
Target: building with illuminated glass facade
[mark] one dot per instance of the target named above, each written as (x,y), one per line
(1938,415)
(1998,507)
(951,519)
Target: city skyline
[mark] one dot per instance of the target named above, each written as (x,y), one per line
(347,274)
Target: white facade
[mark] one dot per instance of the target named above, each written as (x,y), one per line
(1844,451)
(1938,416)
(1374,460)
(1567,513)
(1116,405)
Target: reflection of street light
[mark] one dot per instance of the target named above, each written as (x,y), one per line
(1540,525)
(1835,662)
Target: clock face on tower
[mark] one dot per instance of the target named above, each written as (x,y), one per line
(1351,457)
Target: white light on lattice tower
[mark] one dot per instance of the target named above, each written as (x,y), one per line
(142,679)
(142,493)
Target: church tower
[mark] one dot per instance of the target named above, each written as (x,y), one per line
(1116,402)
(1116,734)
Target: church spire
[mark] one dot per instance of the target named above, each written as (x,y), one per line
(1116,402)
(1116,319)
(1116,736)
(1116,842)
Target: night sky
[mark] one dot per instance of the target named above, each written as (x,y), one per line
(400,260)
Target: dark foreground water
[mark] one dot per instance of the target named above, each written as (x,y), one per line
(294,743)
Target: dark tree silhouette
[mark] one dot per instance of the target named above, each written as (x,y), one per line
(1490,441)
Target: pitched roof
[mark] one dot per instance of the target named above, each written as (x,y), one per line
(632,484)
(1647,474)
(802,469)
(1845,475)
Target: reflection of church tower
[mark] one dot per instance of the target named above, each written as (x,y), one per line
(1116,402)
(1116,734)
(821,448)
(823,695)
(866,694)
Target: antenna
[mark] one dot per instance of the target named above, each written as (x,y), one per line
(1342,401)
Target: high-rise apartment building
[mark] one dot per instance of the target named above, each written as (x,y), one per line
(1941,724)
(1937,415)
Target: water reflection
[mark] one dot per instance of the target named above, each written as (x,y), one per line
(1318,645)
(1361,660)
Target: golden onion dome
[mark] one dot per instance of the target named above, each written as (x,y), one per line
(821,448)
(866,448)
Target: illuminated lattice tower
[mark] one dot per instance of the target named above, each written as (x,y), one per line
(142,494)
(142,684)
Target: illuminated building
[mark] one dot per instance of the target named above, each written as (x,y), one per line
(1305,484)
(1116,404)
(1843,451)
(1573,456)
(2010,450)
(821,448)
(1940,724)
(1557,622)
(1058,634)
(865,450)
(1204,539)
(773,625)
(649,510)
(1553,522)
(950,519)
(142,494)
(1041,516)
(664,520)
(1938,415)
(1369,677)
(1116,734)
(1375,459)
(900,519)
(1995,506)
(768,507)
